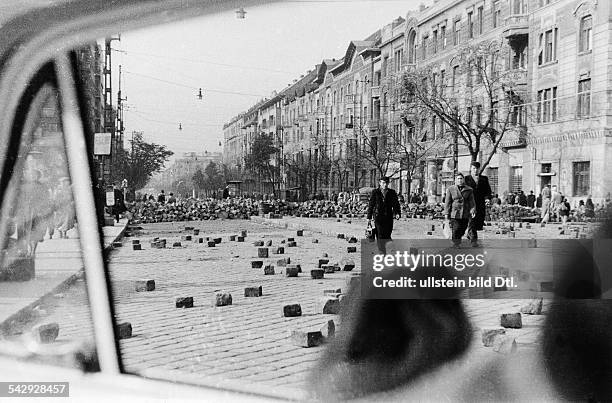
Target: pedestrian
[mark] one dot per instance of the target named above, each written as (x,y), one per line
(383,206)
(171,198)
(546,199)
(226,192)
(459,207)
(564,209)
(481,191)
(161,197)
(119,206)
(522,199)
(589,208)
(531,199)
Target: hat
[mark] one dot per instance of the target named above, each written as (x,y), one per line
(385,179)
(475,164)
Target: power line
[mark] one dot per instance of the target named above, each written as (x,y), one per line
(142,115)
(191,86)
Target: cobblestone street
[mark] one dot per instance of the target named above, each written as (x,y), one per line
(248,341)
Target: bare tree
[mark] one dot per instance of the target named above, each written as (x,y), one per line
(477,100)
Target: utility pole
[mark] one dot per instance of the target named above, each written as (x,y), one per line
(120,128)
(109,122)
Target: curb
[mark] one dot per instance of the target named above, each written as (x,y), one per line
(25,313)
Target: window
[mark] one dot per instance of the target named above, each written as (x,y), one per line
(519,7)
(493,175)
(480,20)
(470,25)
(412,48)
(398,56)
(586,34)
(584,98)
(435,41)
(516,179)
(442,82)
(548,46)
(456,32)
(479,68)
(424,46)
(582,178)
(469,75)
(496,13)
(443,36)
(455,75)
(547,105)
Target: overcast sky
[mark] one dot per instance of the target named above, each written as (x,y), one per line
(236,62)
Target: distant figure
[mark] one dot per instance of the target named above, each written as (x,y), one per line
(546,200)
(119,206)
(531,199)
(161,198)
(564,209)
(589,208)
(459,207)
(522,199)
(383,206)
(226,193)
(171,199)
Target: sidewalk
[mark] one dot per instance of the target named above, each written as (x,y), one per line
(58,264)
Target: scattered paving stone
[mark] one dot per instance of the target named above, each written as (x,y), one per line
(196,231)
(505,345)
(291,270)
(156,239)
(243,233)
(283,262)
(352,240)
(123,330)
(158,245)
(290,239)
(269,270)
(240,239)
(340,236)
(253,292)
(188,228)
(300,232)
(293,310)
(217,240)
(325,255)
(347,264)
(307,338)
(292,244)
(534,307)
(269,243)
(315,241)
(429,233)
(280,250)
(542,225)
(489,335)
(322,262)
(199,240)
(232,237)
(283,242)
(511,320)
(46,332)
(328,330)
(184,302)
(328,268)
(137,246)
(211,244)
(224,298)
(262,252)
(258,243)
(317,274)
(135,241)
(145,285)
(117,244)
(328,305)
(299,266)
(257,264)
(176,245)
(351,249)
(186,237)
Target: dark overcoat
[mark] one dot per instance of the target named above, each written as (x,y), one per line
(482,191)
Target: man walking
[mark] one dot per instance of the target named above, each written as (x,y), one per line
(531,199)
(384,205)
(459,208)
(482,191)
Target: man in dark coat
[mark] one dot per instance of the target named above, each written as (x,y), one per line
(531,199)
(482,191)
(459,208)
(119,206)
(384,206)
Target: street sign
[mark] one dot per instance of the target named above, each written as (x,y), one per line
(102,143)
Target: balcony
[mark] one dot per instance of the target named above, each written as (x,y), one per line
(375,92)
(515,25)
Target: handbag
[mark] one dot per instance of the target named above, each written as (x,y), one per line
(446,229)
(370,233)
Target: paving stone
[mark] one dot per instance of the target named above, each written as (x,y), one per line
(188,228)
(328,305)
(340,236)
(269,270)
(292,310)
(117,244)
(137,246)
(534,307)
(283,262)
(46,332)
(292,244)
(199,240)
(352,240)
(243,233)
(315,241)
(253,291)
(240,239)
(224,298)
(280,250)
(317,274)
(158,244)
(322,262)
(258,243)
(328,330)
(307,338)
(290,239)
(184,302)
(217,240)
(489,335)
(299,266)
(211,244)
(511,320)
(186,237)
(232,237)
(262,252)
(124,330)
(257,264)
(145,285)
(300,232)
(176,245)
(505,345)
(269,243)
(291,271)
(135,241)
(328,268)
(347,264)
(351,249)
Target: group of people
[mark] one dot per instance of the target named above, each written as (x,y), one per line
(464,207)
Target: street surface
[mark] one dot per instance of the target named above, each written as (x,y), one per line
(248,341)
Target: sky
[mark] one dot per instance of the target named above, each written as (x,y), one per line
(235,61)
